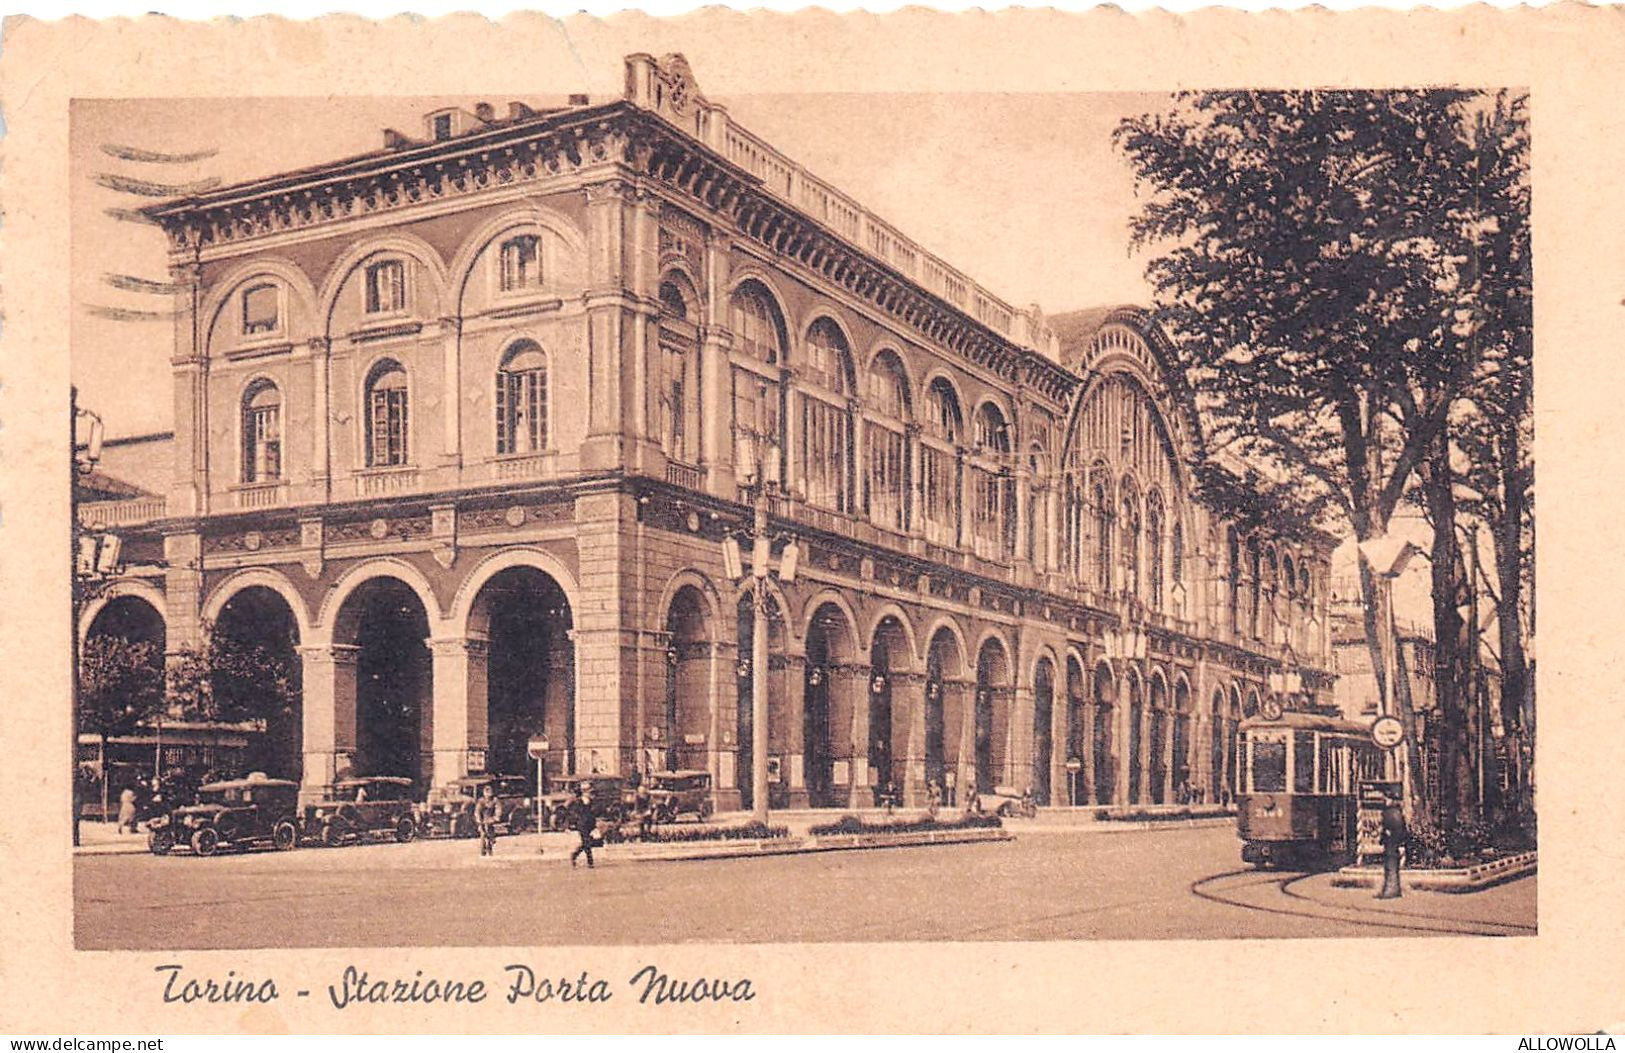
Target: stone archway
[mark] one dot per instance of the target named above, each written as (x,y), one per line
(992,689)
(829,693)
(1043,730)
(383,709)
(686,719)
(1103,751)
(889,711)
(518,629)
(944,677)
(258,673)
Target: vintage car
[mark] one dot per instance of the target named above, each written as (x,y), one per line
(677,793)
(235,813)
(449,811)
(1007,801)
(361,807)
(610,800)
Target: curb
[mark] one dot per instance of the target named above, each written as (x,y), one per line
(1459,879)
(1124,826)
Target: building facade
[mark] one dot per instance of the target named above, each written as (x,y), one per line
(465,422)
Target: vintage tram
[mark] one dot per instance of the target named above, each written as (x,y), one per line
(1298,777)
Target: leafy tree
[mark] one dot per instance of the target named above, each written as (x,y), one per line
(1318,266)
(232,679)
(121,687)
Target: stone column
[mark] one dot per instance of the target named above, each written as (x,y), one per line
(716,409)
(1018,737)
(610,412)
(908,735)
(1086,748)
(183,590)
(328,701)
(190,366)
(605,649)
(451,397)
(786,726)
(962,535)
(460,705)
(321,417)
(913,488)
(1121,738)
(1024,512)
(858,786)
(857,484)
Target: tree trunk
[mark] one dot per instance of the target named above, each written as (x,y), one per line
(1516,687)
(1378,620)
(1458,799)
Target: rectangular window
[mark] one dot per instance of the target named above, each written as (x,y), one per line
(521,263)
(1303,762)
(262,444)
(388,411)
(940,478)
(522,411)
(1269,766)
(887,459)
(442,126)
(386,287)
(260,308)
(824,453)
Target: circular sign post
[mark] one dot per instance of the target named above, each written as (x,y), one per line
(1387,732)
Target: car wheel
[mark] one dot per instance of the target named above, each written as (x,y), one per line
(1005,811)
(705,811)
(285,836)
(331,836)
(463,826)
(206,842)
(519,821)
(159,842)
(556,820)
(405,830)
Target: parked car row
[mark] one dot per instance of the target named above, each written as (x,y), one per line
(259,811)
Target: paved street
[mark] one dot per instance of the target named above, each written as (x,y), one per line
(1059,885)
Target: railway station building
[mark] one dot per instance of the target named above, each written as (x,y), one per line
(464,425)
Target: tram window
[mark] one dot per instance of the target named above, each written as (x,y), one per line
(1334,765)
(1303,762)
(1269,767)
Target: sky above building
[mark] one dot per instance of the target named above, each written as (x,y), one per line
(1024,193)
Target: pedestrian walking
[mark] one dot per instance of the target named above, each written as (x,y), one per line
(973,799)
(933,799)
(126,810)
(1394,835)
(585,821)
(487,813)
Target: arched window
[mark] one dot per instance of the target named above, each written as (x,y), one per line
(759,339)
(1255,569)
(886,455)
(679,353)
(521,263)
(1176,554)
(1233,565)
(1153,548)
(992,485)
(1103,536)
(262,433)
(1129,524)
(386,415)
(939,462)
(824,442)
(522,400)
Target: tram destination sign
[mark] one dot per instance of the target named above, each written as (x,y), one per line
(1387,732)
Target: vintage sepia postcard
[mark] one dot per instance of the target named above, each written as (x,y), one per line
(937,523)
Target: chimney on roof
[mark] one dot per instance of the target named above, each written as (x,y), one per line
(485,111)
(518,111)
(394,140)
(579,100)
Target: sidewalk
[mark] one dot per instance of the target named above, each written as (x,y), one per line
(103,839)
(1510,905)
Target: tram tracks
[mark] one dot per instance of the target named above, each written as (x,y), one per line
(1226,889)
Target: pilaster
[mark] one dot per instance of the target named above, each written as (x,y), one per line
(460,695)
(328,701)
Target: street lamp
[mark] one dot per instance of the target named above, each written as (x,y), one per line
(76,567)
(763,472)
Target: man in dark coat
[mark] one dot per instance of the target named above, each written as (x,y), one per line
(487,813)
(585,820)
(1394,835)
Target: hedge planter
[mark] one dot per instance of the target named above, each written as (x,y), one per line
(1451,879)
